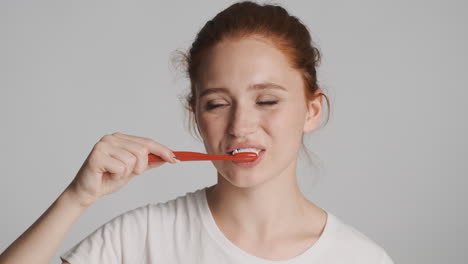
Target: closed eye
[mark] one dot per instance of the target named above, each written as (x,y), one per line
(213,106)
(268,102)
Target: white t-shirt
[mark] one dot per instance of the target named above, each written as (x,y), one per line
(183,230)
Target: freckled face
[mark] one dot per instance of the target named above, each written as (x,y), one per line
(247,91)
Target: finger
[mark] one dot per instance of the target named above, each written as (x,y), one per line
(101,159)
(115,167)
(140,151)
(127,158)
(162,151)
(154,147)
(141,140)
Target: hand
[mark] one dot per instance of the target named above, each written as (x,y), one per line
(114,160)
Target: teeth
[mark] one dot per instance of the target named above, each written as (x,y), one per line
(246,150)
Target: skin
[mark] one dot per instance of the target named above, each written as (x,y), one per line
(114,160)
(268,215)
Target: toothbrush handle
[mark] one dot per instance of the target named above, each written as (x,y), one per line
(188,156)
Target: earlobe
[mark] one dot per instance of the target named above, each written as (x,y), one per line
(313,115)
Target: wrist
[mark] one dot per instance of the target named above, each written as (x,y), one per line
(72,197)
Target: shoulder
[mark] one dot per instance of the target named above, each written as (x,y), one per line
(139,217)
(126,237)
(178,213)
(187,203)
(355,244)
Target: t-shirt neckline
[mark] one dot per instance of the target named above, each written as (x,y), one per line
(229,247)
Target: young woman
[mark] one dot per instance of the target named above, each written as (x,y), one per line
(253,88)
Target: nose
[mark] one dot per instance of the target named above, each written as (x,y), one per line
(242,122)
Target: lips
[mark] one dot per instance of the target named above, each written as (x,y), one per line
(251,164)
(243,145)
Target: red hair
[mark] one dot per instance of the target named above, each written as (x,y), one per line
(271,22)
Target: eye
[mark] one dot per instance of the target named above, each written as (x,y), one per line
(268,102)
(211,106)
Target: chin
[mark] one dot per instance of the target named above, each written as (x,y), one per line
(243,179)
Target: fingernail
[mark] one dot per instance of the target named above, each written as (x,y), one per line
(176,159)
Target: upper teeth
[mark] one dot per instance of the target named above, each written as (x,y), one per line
(246,150)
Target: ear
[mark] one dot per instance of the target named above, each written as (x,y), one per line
(314,114)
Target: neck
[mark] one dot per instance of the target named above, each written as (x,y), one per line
(262,211)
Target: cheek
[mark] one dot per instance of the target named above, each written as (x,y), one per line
(274,120)
(211,127)
(285,127)
(287,119)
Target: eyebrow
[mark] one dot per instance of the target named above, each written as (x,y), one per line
(258,86)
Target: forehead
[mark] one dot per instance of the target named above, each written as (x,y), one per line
(254,87)
(244,63)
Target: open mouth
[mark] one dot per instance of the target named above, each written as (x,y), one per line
(234,152)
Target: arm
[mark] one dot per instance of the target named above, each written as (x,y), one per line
(114,161)
(39,242)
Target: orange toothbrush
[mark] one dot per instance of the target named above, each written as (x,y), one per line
(189,156)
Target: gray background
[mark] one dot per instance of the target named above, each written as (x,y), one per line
(391,161)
